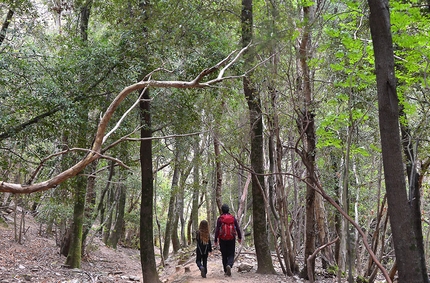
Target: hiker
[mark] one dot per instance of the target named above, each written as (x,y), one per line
(226,230)
(204,247)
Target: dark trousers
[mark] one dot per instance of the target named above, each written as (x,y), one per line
(202,260)
(227,248)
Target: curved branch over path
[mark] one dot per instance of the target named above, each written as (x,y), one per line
(96,151)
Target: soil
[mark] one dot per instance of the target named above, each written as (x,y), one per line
(37,259)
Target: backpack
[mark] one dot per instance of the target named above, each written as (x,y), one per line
(228,230)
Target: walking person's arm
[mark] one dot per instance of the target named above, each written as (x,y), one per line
(218,226)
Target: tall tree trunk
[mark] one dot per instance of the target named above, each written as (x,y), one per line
(406,240)
(75,250)
(147,254)
(194,218)
(218,172)
(306,125)
(261,242)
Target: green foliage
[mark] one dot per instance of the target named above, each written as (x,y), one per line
(361,279)
(41,69)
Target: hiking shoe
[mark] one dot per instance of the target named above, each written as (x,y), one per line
(203,271)
(228,270)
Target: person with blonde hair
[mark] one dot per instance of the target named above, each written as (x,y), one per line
(204,247)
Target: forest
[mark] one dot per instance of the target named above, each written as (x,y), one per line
(133,120)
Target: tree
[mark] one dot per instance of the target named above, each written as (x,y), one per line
(261,240)
(80,185)
(306,127)
(406,241)
(147,255)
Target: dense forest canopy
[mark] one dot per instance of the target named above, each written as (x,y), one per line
(288,111)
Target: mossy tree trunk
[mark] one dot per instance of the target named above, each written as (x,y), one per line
(80,185)
(75,249)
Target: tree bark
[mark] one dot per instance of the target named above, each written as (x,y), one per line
(194,217)
(75,248)
(413,185)
(5,26)
(261,242)
(306,126)
(116,234)
(170,213)
(405,238)
(218,172)
(147,254)
(75,251)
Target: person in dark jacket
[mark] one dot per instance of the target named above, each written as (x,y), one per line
(204,247)
(226,231)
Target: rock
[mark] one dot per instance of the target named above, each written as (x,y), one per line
(244,267)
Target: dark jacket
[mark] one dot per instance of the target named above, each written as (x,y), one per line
(203,249)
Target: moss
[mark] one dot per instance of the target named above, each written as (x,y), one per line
(332,269)
(361,279)
(3,223)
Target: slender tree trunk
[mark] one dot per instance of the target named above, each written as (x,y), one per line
(406,240)
(261,242)
(170,213)
(110,200)
(75,250)
(413,185)
(194,218)
(90,210)
(118,229)
(218,171)
(180,212)
(176,244)
(147,254)
(306,125)
(5,25)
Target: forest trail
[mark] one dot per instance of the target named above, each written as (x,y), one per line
(37,259)
(216,273)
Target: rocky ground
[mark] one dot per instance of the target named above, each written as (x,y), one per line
(37,259)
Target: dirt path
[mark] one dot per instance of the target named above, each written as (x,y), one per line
(216,273)
(37,259)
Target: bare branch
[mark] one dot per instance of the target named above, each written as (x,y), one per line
(96,151)
(165,137)
(123,117)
